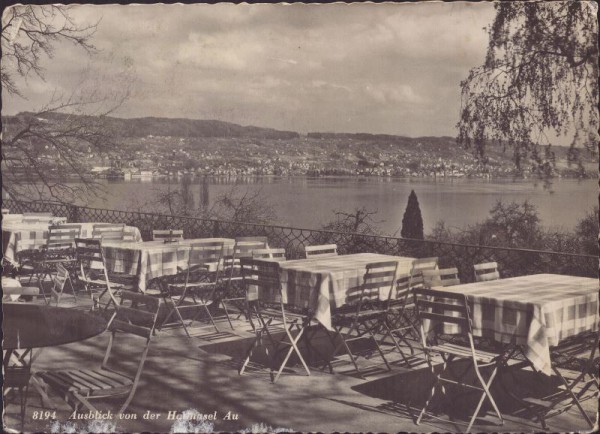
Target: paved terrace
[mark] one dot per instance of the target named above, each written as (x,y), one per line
(199,374)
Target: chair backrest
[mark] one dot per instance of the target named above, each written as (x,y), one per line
(486,271)
(323,250)
(100,229)
(89,256)
(440,312)
(261,278)
(259,239)
(421,264)
(441,277)
(167,235)
(277,254)
(112,236)
(244,249)
(62,236)
(418,266)
(37,214)
(203,254)
(378,284)
(403,291)
(135,314)
(88,251)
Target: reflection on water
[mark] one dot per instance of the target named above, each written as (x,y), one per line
(310,202)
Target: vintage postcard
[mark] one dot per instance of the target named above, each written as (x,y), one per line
(363,217)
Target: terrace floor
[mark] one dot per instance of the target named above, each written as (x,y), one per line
(199,374)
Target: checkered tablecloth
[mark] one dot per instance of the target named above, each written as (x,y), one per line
(19,236)
(323,284)
(150,259)
(536,311)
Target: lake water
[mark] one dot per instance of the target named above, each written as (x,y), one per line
(310,202)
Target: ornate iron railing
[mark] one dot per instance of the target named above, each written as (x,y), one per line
(512,262)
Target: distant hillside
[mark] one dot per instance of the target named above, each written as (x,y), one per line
(143,127)
(135,128)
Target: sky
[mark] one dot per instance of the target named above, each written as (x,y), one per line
(376,68)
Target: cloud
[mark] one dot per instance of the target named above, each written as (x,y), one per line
(381,68)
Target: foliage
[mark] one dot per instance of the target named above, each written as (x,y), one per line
(243,205)
(412,222)
(39,148)
(29,33)
(179,201)
(517,225)
(540,75)
(236,204)
(360,221)
(514,225)
(587,230)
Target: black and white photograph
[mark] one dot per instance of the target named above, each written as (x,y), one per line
(300,217)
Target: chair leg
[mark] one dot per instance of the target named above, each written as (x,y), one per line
(227,314)
(389,368)
(258,343)
(212,320)
(390,333)
(348,351)
(435,384)
(293,347)
(569,389)
(484,394)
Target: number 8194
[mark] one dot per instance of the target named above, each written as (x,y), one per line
(44,415)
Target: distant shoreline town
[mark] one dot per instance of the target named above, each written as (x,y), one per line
(158,148)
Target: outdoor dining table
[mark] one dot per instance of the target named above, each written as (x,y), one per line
(324,283)
(534,312)
(27,327)
(148,260)
(19,236)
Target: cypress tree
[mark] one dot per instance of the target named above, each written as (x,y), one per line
(412,222)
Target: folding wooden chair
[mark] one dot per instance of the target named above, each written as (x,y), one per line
(576,364)
(436,311)
(324,250)
(167,235)
(135,316)
(365,313)
(265,299)
(486,271)
(16,379)
(60,280)
(400,316)
(193,288)
(275,254)
(58,249)
(233,298)
(440,277)
(95,278)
